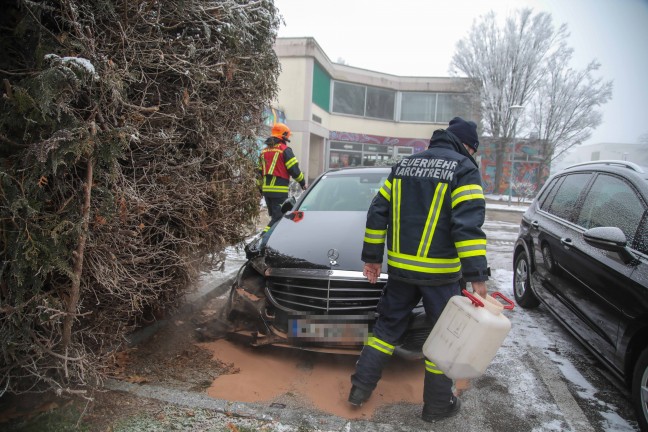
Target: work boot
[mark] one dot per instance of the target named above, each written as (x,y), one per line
(358,396)
(432,414)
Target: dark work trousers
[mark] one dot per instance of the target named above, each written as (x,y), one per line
(274,207)
(394,308)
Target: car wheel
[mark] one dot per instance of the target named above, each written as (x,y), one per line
(521,282)
(640,389)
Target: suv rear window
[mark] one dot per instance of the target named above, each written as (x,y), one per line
(566,197)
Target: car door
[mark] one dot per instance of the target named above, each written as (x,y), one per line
(634,298)
(547,227)
(598,284)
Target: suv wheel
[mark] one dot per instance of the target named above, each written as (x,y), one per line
(521,282)
(640,389)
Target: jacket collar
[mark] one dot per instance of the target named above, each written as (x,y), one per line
(443,138)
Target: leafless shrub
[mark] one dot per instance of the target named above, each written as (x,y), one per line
(524,190)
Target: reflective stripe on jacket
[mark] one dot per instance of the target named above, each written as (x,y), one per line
(429,212)
(277,164)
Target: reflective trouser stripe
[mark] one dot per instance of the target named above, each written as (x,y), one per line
(380,345)
(432,368)
(267,227)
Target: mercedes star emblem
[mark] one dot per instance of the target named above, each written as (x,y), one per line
(333,255)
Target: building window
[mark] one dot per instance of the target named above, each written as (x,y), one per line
(450,105)
(403,151)
(434,107)
(380,103)
(363,101)
(349,98)
(345,154)
(419,107)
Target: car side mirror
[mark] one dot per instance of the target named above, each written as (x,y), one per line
(288,205)
(610,239)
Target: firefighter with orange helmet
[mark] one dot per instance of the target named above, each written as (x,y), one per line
(277,164)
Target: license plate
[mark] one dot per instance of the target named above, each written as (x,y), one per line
(316,329)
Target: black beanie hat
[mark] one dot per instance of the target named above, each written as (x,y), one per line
(466,131)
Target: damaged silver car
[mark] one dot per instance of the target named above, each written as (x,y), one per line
(302,285)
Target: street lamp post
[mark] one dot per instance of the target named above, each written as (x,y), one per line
(516,110)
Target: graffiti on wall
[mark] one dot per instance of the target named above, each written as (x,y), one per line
(527,167)
(272,116)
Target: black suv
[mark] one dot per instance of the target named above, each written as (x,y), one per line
(582,251)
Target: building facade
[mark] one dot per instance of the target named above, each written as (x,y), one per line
(346,116)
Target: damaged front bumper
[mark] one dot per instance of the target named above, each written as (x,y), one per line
(316,310)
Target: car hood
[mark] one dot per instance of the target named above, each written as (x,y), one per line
(318,240)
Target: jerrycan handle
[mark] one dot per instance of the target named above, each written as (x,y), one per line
(476,302)
(509,306)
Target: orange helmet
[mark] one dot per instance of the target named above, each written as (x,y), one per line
(281,131)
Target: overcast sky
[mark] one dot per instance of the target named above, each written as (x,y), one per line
(418,38)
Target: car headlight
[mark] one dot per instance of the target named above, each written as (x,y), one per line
(259,265)
(253,248)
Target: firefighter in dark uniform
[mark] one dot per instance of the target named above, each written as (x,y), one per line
(429,211)
(277,164)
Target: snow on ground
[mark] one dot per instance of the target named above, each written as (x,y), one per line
(500,202)
(532,341)
(528,337)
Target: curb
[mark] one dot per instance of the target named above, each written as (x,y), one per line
(504,209)
(277,415)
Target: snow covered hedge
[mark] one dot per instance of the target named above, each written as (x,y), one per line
(127,141)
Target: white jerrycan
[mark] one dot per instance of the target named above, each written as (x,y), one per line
(468,334)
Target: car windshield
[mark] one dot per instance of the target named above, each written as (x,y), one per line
(348,192)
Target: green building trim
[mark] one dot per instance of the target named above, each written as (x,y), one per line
(321,88)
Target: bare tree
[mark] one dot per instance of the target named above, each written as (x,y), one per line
(510,63)
(564,109)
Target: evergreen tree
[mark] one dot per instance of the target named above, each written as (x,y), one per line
(128,134)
